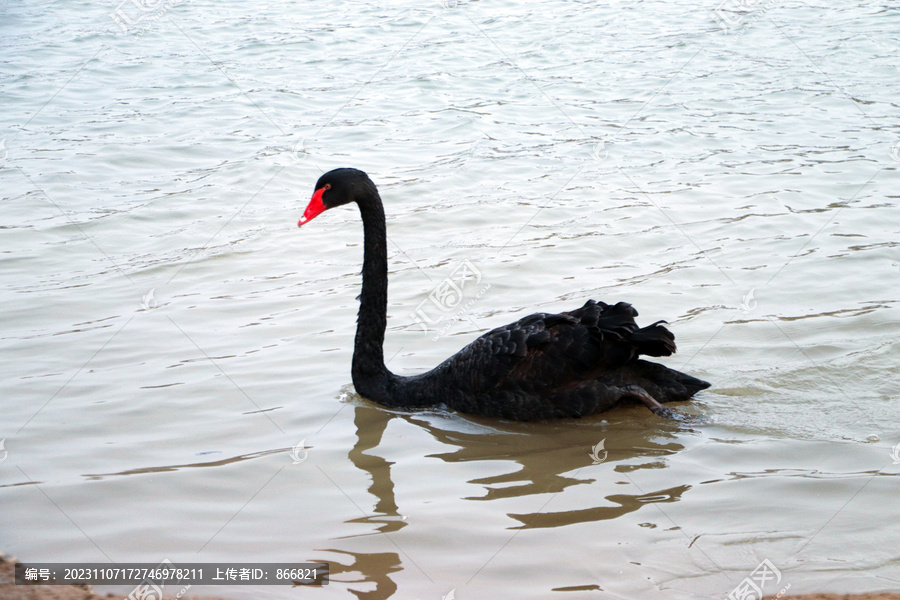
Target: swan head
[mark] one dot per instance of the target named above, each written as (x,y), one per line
(336,188)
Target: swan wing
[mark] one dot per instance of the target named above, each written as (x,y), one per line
(547,351)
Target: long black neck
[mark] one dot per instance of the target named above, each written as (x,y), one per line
(370,376)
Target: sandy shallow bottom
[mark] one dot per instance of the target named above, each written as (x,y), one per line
(10,591)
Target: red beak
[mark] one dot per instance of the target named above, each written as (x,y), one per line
(315,207)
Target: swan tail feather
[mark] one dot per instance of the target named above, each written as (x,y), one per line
(654,340)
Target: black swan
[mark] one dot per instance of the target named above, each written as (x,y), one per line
(543,366)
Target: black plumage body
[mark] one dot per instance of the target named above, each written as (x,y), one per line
(543,366)
(548,366)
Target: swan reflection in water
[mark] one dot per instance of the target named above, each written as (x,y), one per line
(551,456)
(544,366)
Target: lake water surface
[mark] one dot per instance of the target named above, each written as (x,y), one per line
(175,352)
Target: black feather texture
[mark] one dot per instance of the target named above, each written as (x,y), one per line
(542,366)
